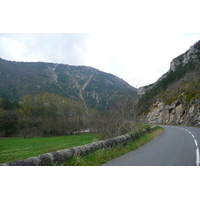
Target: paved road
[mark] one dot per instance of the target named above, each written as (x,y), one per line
(177,146)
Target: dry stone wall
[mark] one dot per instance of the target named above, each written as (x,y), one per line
(61,156)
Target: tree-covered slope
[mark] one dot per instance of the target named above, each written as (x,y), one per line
(95,88)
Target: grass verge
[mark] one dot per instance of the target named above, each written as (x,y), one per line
(103,156)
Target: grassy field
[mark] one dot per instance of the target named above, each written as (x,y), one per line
(12,149)
(103,156)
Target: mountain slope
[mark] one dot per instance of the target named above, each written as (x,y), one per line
(95,88)
(175,97)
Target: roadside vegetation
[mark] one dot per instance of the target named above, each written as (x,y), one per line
(104,155)
(13,149)
(186,89)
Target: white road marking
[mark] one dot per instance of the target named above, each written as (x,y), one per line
(195,142)
(197,156)
(197,148)
(193,136)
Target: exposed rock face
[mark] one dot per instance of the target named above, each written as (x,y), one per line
(178,112)
(184,58)
(191,54)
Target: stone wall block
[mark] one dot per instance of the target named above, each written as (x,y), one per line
(125,139)
(18,163)
(103,143)
(128,136)
(45,159)
(109,141)
(78,151)
(67,153)
(120,141)
(100,144)
(87,148)
(106,143)
(84,149)
(33,161)
(96,145)
(58,156)
(90,148)
(115,142)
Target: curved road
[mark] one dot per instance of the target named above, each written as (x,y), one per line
(177,146)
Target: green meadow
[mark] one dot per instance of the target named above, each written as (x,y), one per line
(12,149)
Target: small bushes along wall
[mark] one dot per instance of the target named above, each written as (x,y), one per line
(61,156)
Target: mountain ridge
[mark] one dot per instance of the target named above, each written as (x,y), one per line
(95,88)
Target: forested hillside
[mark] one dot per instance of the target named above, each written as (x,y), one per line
(95,88)
(44,99)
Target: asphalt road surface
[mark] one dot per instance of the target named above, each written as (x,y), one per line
(176,146)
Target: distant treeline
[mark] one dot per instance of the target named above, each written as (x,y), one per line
(50,115)
(42,115)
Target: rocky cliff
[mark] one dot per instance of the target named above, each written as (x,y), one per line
(178,112)
(175,97)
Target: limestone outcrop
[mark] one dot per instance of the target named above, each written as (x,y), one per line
(178,112)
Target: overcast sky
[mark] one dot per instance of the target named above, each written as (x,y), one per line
(134,40)
(137,58)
